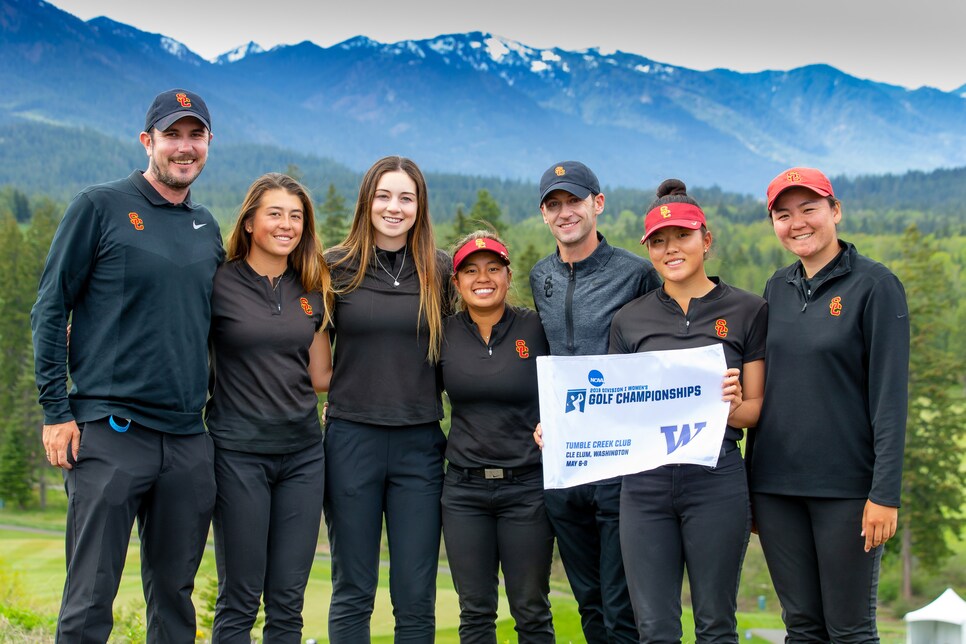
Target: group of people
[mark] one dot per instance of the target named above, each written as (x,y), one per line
(194,378)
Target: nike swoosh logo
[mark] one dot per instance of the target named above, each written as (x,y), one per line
(901,315)
(197,225)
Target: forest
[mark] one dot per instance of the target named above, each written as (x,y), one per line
(913,223)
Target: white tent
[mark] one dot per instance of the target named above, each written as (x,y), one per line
(941,622)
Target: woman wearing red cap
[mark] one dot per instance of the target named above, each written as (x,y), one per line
(493,508)
(689,515)
(826,462)
(383,443)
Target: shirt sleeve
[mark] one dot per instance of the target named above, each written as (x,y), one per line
(68,267)
(757,335)
(885,329)
(649,280)
(616,343)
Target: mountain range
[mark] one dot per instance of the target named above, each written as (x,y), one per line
(479,104)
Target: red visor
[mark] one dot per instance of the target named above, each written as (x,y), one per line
(477,245)
(684,215)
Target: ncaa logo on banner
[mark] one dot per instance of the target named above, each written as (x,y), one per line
(595,378)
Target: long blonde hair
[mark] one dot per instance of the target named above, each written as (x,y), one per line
(356,251)
(306,258)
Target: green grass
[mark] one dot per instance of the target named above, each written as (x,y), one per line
(32,577)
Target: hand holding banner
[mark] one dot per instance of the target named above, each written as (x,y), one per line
(606,416)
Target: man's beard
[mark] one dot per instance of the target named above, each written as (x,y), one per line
(172,180)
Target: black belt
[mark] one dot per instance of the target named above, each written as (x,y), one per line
(495,472)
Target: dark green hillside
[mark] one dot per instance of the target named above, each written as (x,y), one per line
(43,159)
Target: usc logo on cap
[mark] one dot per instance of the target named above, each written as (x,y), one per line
(304,301)
(480,243)
(522,349)
(665,212)
(793,176)
(835,306)
(721,327)
(136,221)
(183,100)
(559,171)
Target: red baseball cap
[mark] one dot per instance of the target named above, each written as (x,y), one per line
(477,245)
(685,215)
(809,178)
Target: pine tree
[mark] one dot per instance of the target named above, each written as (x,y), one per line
(933,479)
(333,218)
(486,211)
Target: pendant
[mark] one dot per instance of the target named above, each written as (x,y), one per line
(395,284)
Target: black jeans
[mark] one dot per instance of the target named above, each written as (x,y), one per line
(585,520)
(686,515)
(374,471)
(266,522)
(824,578)
(491,524)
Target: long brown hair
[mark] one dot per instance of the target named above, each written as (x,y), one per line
(356,251)
(306,258)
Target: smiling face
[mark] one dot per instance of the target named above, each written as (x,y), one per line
(176,155)
(275,228)
(483,280)
(573,222)
(393,210)
(804,223)
(678,253)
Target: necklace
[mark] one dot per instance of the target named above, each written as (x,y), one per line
(395,279)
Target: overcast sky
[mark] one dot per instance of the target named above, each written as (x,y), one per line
(903,42)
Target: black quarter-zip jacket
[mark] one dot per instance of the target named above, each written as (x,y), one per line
(577,301)
(734,318)
(133,274)
(833,418)
(493,389)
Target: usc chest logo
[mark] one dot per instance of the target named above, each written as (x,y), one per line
(721,328)
(522,349)
(304,301)
(835,306)
(136,221)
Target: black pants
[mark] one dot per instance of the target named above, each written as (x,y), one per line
(824,578)
(686,515)
(585,519)
(266,522)
(489,524)
(167,483)
(374,471)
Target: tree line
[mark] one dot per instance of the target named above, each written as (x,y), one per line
(744,253)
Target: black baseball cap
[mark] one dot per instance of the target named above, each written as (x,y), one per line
(173,105)
(572,176)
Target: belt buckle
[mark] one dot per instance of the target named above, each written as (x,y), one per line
(492,473)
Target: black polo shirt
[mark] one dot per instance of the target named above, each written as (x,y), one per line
(736,319)
(381,375)
(262,399)
(493,389)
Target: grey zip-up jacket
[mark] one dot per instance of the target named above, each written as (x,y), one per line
(577,302)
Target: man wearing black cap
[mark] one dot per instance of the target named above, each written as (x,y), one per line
(131,268)
(577,290)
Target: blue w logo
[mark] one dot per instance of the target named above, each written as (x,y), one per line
(682,438)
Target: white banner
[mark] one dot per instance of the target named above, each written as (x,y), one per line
(606,416)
